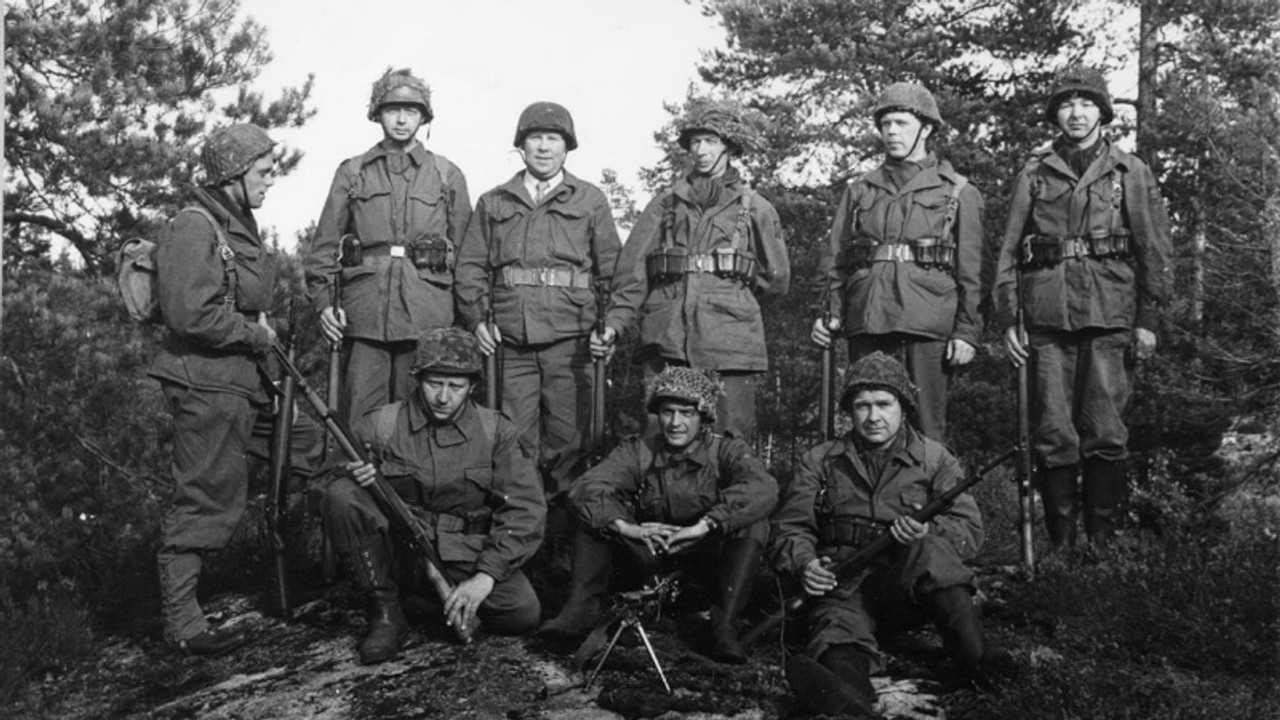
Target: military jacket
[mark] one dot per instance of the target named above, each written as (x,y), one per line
(210,344)
(386,297)
(455,468)
(904,296)
(704,319)
(1086,292)
(570,233)
(834,480)
(642,480)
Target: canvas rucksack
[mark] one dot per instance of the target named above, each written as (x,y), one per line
(137,275)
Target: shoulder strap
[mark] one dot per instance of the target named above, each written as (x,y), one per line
(668,220)
(1117,200)
(742,229)
(385,424)
(224,251)
(953,206)
(446,193)
(856,185)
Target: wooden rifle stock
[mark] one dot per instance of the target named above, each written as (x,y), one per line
(383,494)
(850,569)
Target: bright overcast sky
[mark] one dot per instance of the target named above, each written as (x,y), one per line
(612,63)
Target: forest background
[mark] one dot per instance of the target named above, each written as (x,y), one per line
(102,126)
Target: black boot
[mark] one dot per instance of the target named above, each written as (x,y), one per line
(388,628)
(739,563)
(592,561)
(838,683)
(1104,485)
(1061,504)
(959,622)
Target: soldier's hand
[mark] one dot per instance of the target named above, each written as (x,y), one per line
(362,472)
(272,335)
(653,534)
(461,605)
(1144,343)
(906,530)
(817,577)
(687,537)
(1014,346)
(333,324)
(822,332)
(488,336)
(959,352)
(602,346)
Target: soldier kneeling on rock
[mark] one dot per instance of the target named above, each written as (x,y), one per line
(687,498)
(459,467)
(848,491)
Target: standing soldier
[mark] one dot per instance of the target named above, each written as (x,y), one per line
(904,258)
(541,241)
(460,466)
(685,497)
(1085,255)
(390,226)
(696,261)
(216,279)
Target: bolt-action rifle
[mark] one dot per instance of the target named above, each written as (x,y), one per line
(826,409)
(598,390)
(493,362)
(278,493)
(335,348)
(1025,466)
(850,569)
(383,494)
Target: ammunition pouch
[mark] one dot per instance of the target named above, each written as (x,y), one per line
(1049,250)
(545,277)
(929,253)
(430,253)
(671,263)
(352,253)
(477,521)
(848,530)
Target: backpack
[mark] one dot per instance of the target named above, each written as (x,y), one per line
(137,275)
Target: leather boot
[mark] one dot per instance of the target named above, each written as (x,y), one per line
(1061,504)
(592,561)
(388,628)
(739,562)
(1104,485)
(959,622)
(838,683)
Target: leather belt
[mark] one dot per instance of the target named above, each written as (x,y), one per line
(545,277)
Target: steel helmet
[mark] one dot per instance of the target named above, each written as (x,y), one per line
(879,371)
(910,97)
(688,385)
(449,351)
(229,151)
(546,116)
(1084,81)
(400,86)
(741,128)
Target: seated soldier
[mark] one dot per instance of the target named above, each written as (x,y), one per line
(460,465)
(846,492)
(685,498)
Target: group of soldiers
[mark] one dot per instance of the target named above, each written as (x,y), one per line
(420,289)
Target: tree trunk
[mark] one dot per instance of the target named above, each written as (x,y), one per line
(1200,244)
(1148,64)
(1271,235)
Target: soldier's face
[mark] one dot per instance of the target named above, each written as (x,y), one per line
(1079,118)
(710,153)
(444,394)
(904,135)
(877,416)
(680,423)
(251,190)
(400,121)
(544,153)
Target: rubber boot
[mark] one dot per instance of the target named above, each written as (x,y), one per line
(739,562)
(959,622)
(838,683)
(388,628)
(592,561)
(1061,504)
(1104,485)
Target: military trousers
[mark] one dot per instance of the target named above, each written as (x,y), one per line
(351,517)
(925,361)
(374,374)
(735,409)
(1081,383)
(214,435)
(547,394)
(892,592)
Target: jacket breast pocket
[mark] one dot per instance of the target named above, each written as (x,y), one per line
(570,227)
(912,497)
(928,212)
(255,278)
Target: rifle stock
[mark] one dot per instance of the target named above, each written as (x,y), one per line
(1025,466)
(826,408)
(383,494)
(277,500)
(335,348)
(493,365)
(598,389)
(850,569)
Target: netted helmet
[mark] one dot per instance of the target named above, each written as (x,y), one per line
(449,351)
(400,86)
(1084,81)
(548,117)
(229,151)
(909,97)
(741,128)
(879,371)
(686,385)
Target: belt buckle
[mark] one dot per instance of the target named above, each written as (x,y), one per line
(700,263)
(544,276)
(902,252)
(397,251)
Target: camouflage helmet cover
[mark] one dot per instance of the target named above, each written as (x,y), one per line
(448,351)
(740,127)
(1085,81)
(686,385)
(546,116)
(229,151)
(400,86)
(879,371)
(910,97)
